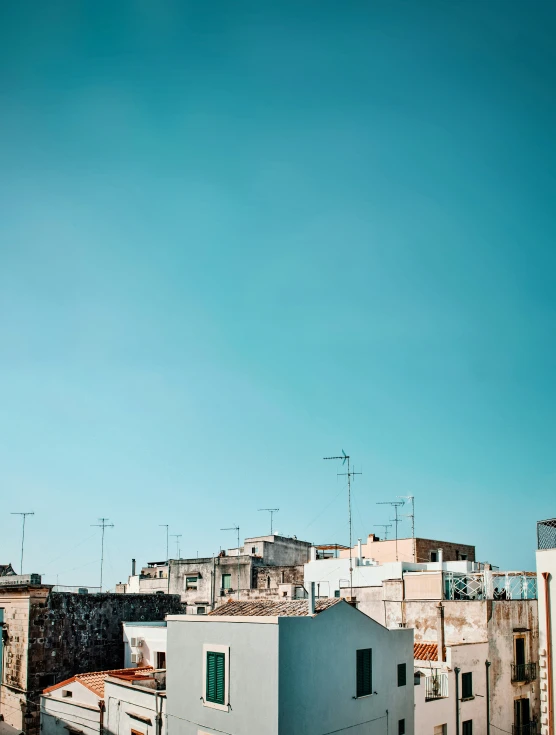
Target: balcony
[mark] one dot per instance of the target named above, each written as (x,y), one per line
(524,673)
(530,729)
(436,687)
(546,534)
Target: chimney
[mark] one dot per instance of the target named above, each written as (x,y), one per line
(440,556)
(440,630)
(133,567)
(313,553)
(311,601)
(360,551)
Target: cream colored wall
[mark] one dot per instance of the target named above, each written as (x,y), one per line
(13,690)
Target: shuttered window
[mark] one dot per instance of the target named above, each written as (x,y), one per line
(401,675)
(364,672)
(467,727)
(401,727)
(467,686)
(215,677)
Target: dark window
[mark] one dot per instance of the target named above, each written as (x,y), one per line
(434,555)
(336,593)
(467,727)
(519,651)
(46,680)
(364,672)
(467,686)
(401,727)
(463,557)
(215,677)
(417,679)
(401,675)
(160,659)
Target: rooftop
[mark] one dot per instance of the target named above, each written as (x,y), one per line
(94,680)
(426,652)
(264,608)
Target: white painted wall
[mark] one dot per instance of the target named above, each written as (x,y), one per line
(154,639)
(56,713)
(123,700)
(546,562)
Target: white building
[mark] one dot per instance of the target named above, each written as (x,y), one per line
(145,644)
(546,574)
(278,668)
(136,707)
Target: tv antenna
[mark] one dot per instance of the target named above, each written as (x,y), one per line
(102,524)
(385,526)
(346,458)
(177,536)
(235,528)
(411,516)
(165,525)
(396,504)
(24,515)
(272,511)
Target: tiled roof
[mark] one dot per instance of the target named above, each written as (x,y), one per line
(426,651)
(94,680)
(286,608)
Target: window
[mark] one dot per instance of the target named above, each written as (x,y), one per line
(463,557)
(417,679)
(160,574)
(226,581)
(136,732)
(161,659)
(268,583)
(201,610)
(336,593)
(67,693)
(440,729)
(401,675)
(467,687)
(434,555)
(364,672)
(215,676)
(467,727)
(191,583)
(283,576)
(401,727)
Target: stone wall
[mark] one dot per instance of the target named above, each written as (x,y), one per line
(270,577)
(450,551)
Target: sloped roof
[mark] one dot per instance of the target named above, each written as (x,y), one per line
(94,680)
(6,570)
(285,608)
(426,651)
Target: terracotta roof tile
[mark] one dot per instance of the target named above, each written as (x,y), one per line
(426,652)
(286,608)
(94,680)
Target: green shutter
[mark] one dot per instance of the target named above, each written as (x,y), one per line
(401,675)
(364,672)
(216,677)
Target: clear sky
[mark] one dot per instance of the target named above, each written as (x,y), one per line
(239,236)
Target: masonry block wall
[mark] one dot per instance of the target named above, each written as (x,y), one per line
(271,577)
(450,551)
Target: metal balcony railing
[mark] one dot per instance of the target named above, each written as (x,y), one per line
(436,686)
(530,729)
(524,672)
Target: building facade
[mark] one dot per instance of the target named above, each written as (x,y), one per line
(546,577)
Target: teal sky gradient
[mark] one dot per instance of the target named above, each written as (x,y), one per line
(238,237)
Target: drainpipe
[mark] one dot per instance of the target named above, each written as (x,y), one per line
(311,601)
(359,552)
(101,717)
(158,713)
(487,667)
(550,708)
(440,631)
(133,567)
(456,671)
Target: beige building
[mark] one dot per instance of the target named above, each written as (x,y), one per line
(546,571)
(415,550)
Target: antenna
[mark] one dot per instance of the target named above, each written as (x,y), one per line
(272,511)
(349,474)
(177,536)
(165,525)
(235,528)
(385,526)
(411,515)
(102,524)
(396,504)
(28,513)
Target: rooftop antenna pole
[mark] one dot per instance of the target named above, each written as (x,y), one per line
(396,504)
(165,525)
(177,536)
(346,458)
(28,513)
(385,526)
(272,511)
(102,524)
(411,515)
(235,528)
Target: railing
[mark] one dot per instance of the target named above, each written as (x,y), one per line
(436,686)
(546,534)
(524,672)
(530,729)
(488,585)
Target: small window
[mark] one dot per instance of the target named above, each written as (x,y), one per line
(268,583)
(161,659)
(467,727)
(226,581)
(463,557)
(191,583)
(67,693)
(467,687)
(441,729)
(160,574)
(364,672)
(201,610)
(215,677)
(253,550)
(434,555)
(336,593)
(417,679)
(283,577)
(401,727)
(401,675)
(137,732)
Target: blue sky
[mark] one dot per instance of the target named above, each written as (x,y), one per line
(238,237)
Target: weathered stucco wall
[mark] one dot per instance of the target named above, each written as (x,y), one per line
(270,577)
